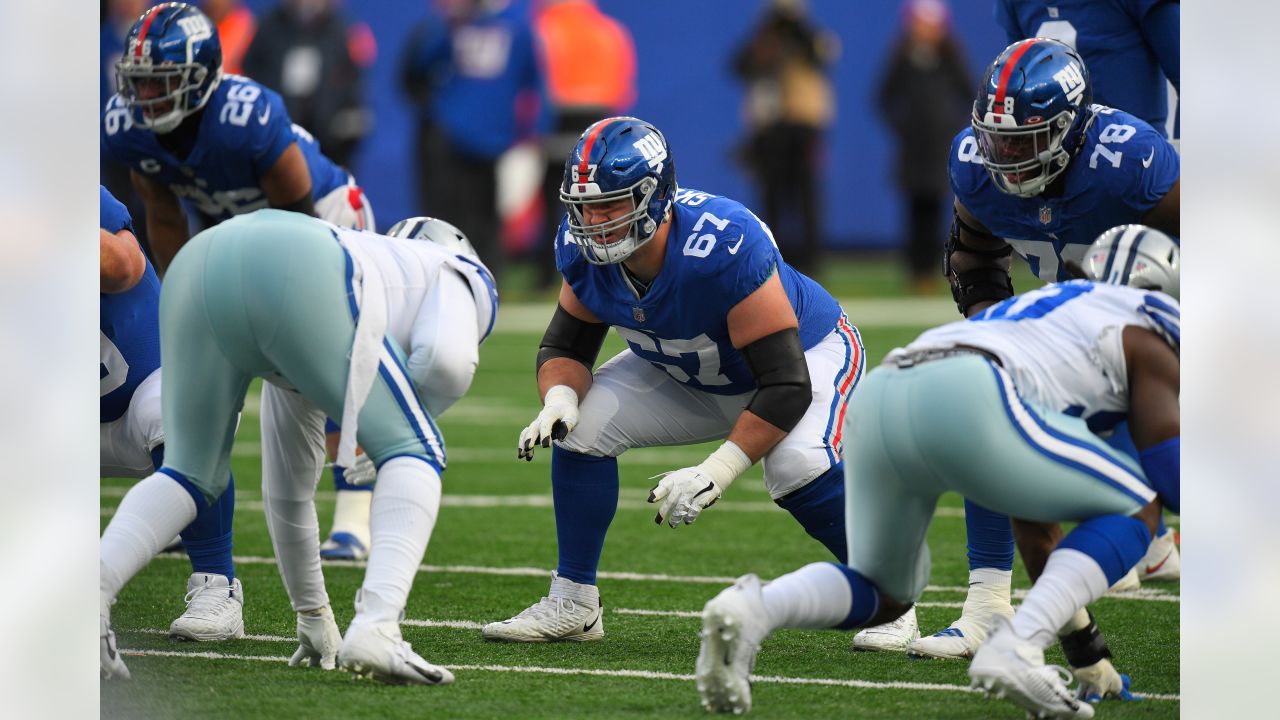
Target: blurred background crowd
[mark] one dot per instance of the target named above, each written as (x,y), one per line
(830,119)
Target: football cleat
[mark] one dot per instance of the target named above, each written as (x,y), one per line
(215,610)
(112,665)
(890,637)
(376,650)
(343,546)
(1162,561)
(962,638)
(734,623)
(571,611)
(318,640)
(1006,666)
(1129,582)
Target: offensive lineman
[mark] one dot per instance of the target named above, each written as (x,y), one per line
(723,339)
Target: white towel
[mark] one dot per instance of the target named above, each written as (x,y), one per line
(371,327)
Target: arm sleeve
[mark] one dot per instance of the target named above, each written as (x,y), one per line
(1160,27)
(1150,182)
(741,273)
(268,141)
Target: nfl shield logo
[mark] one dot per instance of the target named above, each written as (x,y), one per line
(638,314)
(1046,215)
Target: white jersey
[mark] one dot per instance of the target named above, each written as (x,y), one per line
(1061,344)
(409,270)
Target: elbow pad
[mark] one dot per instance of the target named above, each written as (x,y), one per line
(569,337)
(988,283)
(1164,471)
(783,390)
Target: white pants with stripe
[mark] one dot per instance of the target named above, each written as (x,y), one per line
(633,404)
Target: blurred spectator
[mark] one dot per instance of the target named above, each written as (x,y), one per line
(789,103)
(591,74)
(1130,48)
(925,97)
(309,52)
(236,26)
(472,68)
(117,17)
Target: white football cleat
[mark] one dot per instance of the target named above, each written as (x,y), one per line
(734,623)
(1129,582)
(376,650)
(963,637)
(892,636)
(1162,561)
(571,611)
(1006,666)
(318,640)
(215,610)
(112,665)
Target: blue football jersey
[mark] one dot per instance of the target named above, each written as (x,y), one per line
(718,253)
(1108,34)
(1124,168)
(129,350)
(243,132)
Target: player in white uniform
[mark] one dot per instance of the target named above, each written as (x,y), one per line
(932,419)
(353,325)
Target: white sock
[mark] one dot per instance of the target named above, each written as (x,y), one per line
(351,514)
(815,596)
(295,535)
(987,587)
(150,515)
(1071,580)
(1079,621)
(405,503)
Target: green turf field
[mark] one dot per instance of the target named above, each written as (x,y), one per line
(492,553)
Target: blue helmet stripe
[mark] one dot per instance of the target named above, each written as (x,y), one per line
(1135,240)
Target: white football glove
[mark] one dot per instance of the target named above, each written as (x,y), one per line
(361,472)
(686,492)
(558,418)
(1100,681)
(318,640)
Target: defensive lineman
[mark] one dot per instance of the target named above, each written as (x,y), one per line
(379,332)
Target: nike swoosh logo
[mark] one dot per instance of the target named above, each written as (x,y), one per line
(587,628)
(1147,163)
(1157,566)
(734,249)
(262,119)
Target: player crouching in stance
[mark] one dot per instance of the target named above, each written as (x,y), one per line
(723,339)
(379,332)
(930,420)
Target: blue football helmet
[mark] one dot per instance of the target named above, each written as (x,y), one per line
(623,165)
(171,65)
(1031,114)
(1137,256)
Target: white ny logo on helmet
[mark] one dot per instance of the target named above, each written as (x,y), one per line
(652,149)
(1071,80)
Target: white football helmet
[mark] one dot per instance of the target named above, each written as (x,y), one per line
(437,231)
(1137,256)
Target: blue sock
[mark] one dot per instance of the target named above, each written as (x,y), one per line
(866,599)
(819,507)
(208,538)
(1115,542)
(584,489)
(990,537)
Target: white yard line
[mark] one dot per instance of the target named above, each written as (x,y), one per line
(637,674)
(1143,594)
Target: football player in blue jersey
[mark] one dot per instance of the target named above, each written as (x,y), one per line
(216,145)
(1130,46)
(130,432)
(724,341)
(931,418)
(1041,171)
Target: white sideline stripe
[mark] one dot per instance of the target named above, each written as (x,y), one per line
(1140,594)
(454,624)
(638,674)
(261,638)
